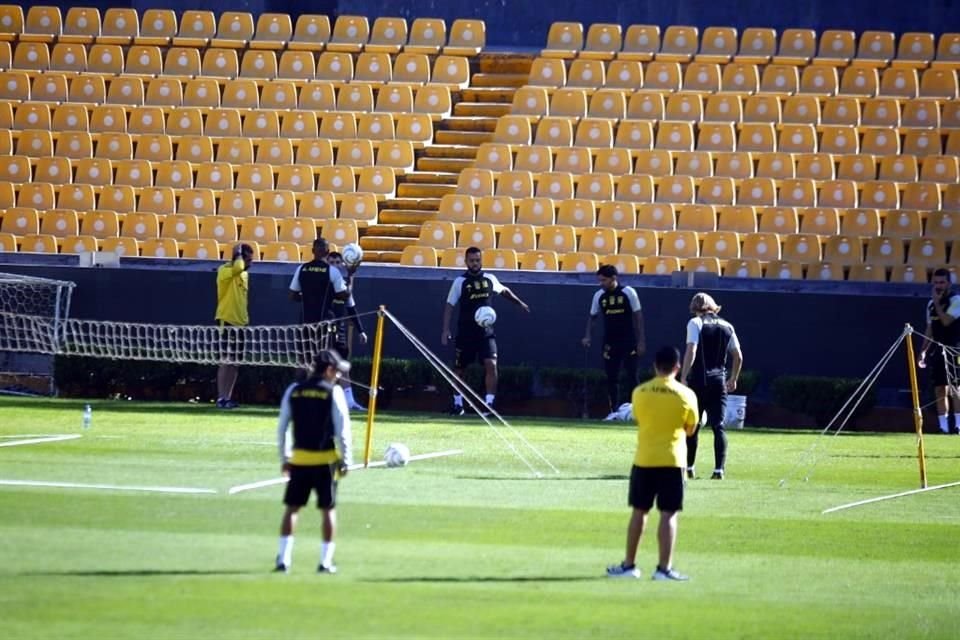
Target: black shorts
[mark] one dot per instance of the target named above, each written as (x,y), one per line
(474,349)
(712,398)
(663,483)
(938,369)
(619,351)
(304,479)
(231,342)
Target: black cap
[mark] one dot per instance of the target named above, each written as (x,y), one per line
(330,358)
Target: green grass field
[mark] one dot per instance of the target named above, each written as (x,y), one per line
(469,546)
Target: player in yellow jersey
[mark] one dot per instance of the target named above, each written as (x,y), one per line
(233,285)
(666,412)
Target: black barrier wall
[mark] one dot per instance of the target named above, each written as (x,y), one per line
(838,332)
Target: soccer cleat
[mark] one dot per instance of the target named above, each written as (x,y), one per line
(612,416)
(226,404)
(280,567)
(327,568)
(691,473)
(455,411)
(484,413)
(359,408)
(669,574)
(717,475)
(623,571)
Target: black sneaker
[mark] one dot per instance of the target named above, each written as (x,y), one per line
(280,567)
(717,475)
(455,411)
(327,568)
(226,404)
(691,473)
(623,571)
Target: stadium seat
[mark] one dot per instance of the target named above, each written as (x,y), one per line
(640,43)
(596,186)
(536,211)
(635,188)
(720,244)
(60,223)
(663,77)
(414,256)
(457,208)
(886,251)
(434,101)
(477,234)
(757,192)
(733,165)
(757,46)
(942,169)
(197,28)
(575,160)
(899,168)
(315,153)
(339,179)
(762,109)
(36,195)
(579,262)
(760,246)
(837,48)
(844,250)
(797,192)
(513,130)
(656,217)
(743,268)
(624,75)
(921,113)
(556,185)
(427,36)
(517,237)
(388,35)
(660,265)
(38,243)
(801,109)
(181,227)
(164,92)
(564,40)
(122,246)
(361,207)
(899,82)
(716,191)
(539,261)
(318,206)
(159,248)
(644,106)
(586,74)
(698,217)
(497,210)
(820,221)
(797,47)
(311,33)
(742,219)
(838,140)
(467,38)
(536,159)
(558,238)
(814,166)
(577,213)
(915,51)
(876,49)
(20,221)
(679,44)
(779,220)
(501,259)
(603,41)
(802,248)
(612,161)
(757,137)
(438,234)
(599,240)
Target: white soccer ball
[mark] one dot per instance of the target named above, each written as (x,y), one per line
(485,316)
(397,455)
(352,254)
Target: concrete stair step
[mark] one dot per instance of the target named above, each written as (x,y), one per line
(447,165)
(460,123)
(385,243)
(504,63)
(464,138)
(387,257)
(382,230)
(406,217)
(412,204)
(499,80)
(430,177)
(450,151)
(481,109)
(481,94)
(424,190)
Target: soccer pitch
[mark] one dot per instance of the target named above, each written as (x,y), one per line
(467,546)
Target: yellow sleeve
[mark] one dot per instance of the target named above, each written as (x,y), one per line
(693,414)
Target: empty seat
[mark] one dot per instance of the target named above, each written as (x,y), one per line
(663,77)
(564,40)
(197,28)
(467,37)
(860,222)
(915,51)
(837,48)
(821,221)
(350,34)
(585,73)
(876,49)
(414,256)
(899,82)
(388,35)
(762,108)
(760,246)
(427,36)
(603,41)
(797,47)
(273,31)
(311,33)
(780,79)
(860,81)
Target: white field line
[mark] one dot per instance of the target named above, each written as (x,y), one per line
(39,440)
(240,488)
(29,435)
(105,487)
(890,497)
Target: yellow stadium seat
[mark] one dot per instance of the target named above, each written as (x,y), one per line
(586,74)
(36,195)
(297,65)
(716,191)
(416,128)
(902,224)
(876,49)
(660,265)
(427,36)
(644,106)
(437,234)
(942,169)
(825,271)
(640,42)
(567,102)
(656,217)
(634,134)
(844,250)
(603,41)
(915,51)
(741,219)
(939,83)
(797,192)
(11,19)
(815,166)
(612,161)
(133,173)
(780,79)
(663,77)
(554,131)
(410,68)
(360,207)
(536,211)
(223,123)
(575,160)
(315,153)
(539,261)
(38,243)
(494,156)
(595,186)
(716,136)
(414,256)
(495,210)
(78,244)
(802,248)
(839,140)
(837,48)
(433,100)
(860,222)
(536,159)
(558,238)
(60,223)
(881,112)
(733,165)
(43,24)
(820,221)
(880,194)
(395,99)
(943,225)
(375,126)
(274,151)
(885,251)
(720,244)
(239,203)
(802,109)
(908,273)
(702,77)
(921,113)
(577,213)
(373,68)
(451,258)
(840,193)
(698,217)
(31,56)
(556,185)
(624,75)
(158,200)
(295,177)
(105,59)
(675,136)
(397,155)
(564,40)
(339,179)
(121,246)
(200,249)
(921,196)
(840,111)
(197,28)
(634,188)
(260,229)
(350,34)
(154,148)
(517,237)
(948,52)
(259,64)
(743,268)
(35,144)
(186,122)
(183,226)
(740,78)
(158,27)
(757,46)
(579,262)
(797,47)
(54,170)
(338,126)
(263,124)
(475,182)
(273,31)
(457,208)
(515,184)
(610,104)
(868,273)
(311,33)
(53,88)
(760,246)
(599,240)
(477,234)
(141,225)
(953,144)
(762,109)
(779,220)
(388,36)
(32,116)
(702,265)
(679,44)
(501,258)
(547,72)
(757,137)
(146,120)
(164,92)
(467,37)
(177,174)
(278,204)
(355,153)
(675,189)
(899,82)
(16,169)
(159,248)
(318,205)
(334,67)
(684,107)
(182,62)
(718,46)
(20,221)
(899,168)
(74,145)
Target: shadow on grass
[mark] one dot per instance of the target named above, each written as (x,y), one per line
(485,579)
(141,573)
(619,477)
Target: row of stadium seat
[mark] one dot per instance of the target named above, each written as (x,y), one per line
(622,216)
(794,192)
(241,201)
(33,58)
(720,44)
(622,104)
(225,229)
(169,94)
(743,78)
(76,145)
(182,174)
(598,133)
(703,164)
(236,29)
(804,248)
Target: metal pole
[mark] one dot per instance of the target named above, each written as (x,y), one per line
(374,384)
(917,414)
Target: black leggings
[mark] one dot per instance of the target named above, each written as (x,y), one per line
(615,357)
(712,398)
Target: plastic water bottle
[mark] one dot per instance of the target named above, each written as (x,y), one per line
(87,417)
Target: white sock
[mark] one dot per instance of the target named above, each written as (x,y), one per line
(943,423)
(956,421)
(720,471)
(457,400)
(326,553)
(348,394)
(285,552)
(489,399)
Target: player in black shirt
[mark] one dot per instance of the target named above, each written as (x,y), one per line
(346,311)
(316,286)
(624,342)
(943,309)
(472,290)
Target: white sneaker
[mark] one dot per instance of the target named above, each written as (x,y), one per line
(357,407)
(620,571)
(669,574)
(612,416)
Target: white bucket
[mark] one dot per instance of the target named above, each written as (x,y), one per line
(736,412)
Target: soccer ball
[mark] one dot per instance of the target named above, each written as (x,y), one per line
(397,455)
(352,254)
(485,316)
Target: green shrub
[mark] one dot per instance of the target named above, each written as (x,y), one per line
(820,398)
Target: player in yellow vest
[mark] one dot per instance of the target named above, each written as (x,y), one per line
(233,286)
(666,412)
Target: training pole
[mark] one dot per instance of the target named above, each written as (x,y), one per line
(374,384)
(917,414)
